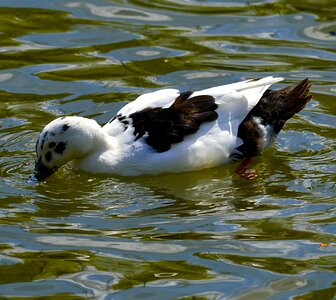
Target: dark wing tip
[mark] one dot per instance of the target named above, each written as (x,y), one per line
(301,91)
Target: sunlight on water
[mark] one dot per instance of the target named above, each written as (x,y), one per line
(198,235)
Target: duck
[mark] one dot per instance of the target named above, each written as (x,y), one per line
(169,131)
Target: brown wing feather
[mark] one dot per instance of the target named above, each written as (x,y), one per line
(167,126)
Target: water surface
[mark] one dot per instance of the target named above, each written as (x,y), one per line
(199,235)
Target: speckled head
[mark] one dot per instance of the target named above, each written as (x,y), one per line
(61,141)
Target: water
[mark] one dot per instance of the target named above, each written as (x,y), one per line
(199,235)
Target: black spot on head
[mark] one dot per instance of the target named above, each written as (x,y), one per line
(48,156)
(52,145)
(52,133)
(62,118)
(60,147)
(65,127)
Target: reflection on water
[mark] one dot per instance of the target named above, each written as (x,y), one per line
(202,235)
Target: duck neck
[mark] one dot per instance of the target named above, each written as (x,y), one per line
(102,156)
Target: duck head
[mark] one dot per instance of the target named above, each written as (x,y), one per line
(63,140)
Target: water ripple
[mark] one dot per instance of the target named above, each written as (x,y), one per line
(207,234)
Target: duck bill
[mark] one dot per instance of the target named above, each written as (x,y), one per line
(41,171)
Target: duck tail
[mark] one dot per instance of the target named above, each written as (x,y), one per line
(269,115)
(283,104)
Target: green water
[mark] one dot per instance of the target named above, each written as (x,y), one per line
(198,235)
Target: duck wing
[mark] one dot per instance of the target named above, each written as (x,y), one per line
(166,126)
(166,117)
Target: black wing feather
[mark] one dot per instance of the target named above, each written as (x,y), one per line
(167,126)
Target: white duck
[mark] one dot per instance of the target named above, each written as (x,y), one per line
(170,131)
